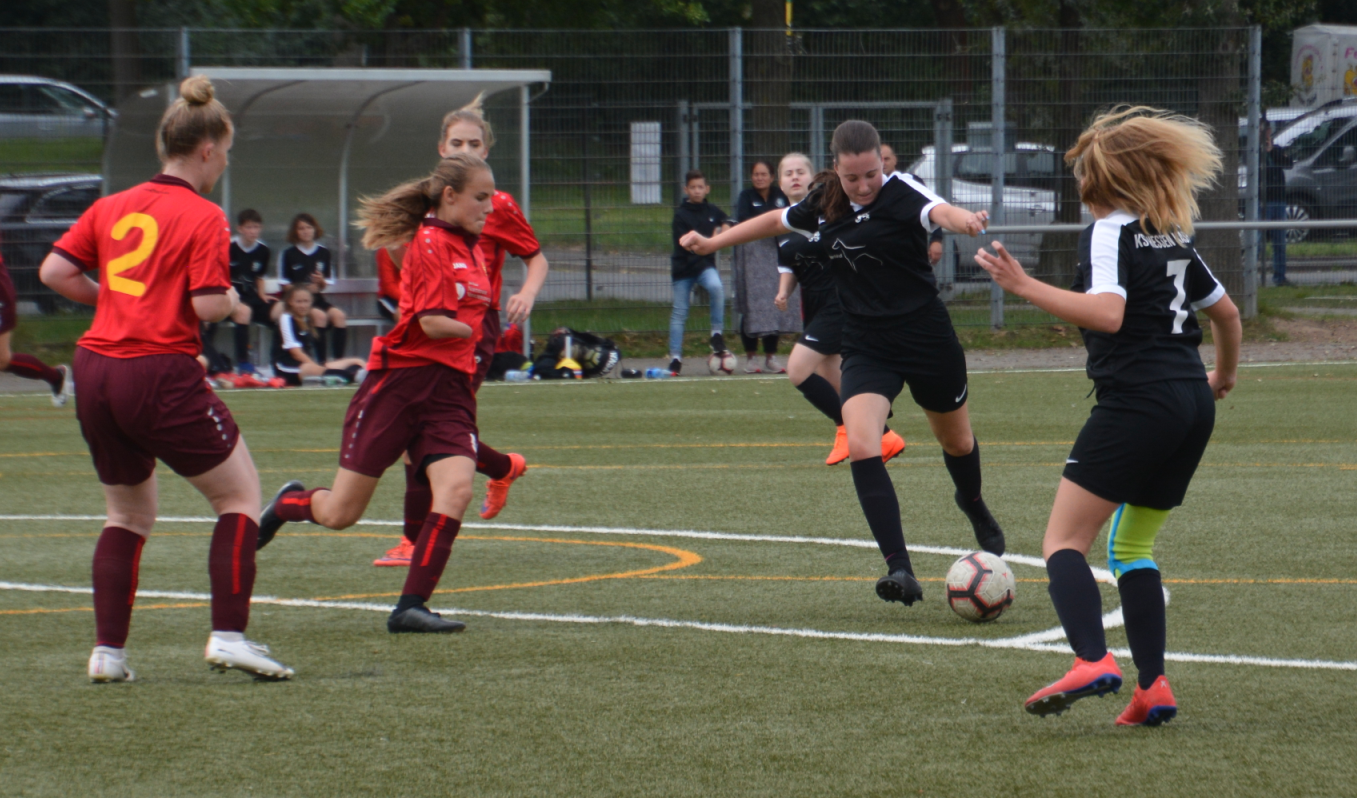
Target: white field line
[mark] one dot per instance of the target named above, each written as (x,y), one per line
(665,623)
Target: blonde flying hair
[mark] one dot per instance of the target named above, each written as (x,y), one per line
(1147,162)
(194,117)
(471,112)
(394,217)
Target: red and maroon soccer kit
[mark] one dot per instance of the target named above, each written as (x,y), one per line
(506,232)
(142,392)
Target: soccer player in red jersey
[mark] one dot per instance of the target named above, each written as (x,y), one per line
(506,232)
(161,250)
(26,366)
(417,399)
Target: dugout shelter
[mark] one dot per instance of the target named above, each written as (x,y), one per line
(315,139)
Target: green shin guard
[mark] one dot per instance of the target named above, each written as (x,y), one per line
(1130,543)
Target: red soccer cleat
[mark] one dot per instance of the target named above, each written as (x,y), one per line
(891,445)
(399,556)
(840,451)
(1083,680)
(1150,707)
(497,490)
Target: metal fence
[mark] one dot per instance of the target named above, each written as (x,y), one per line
(718,100)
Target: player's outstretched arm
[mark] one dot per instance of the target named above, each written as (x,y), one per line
(760,227)
(520,304)
(68,279)
(1101,312)
(952,218)
(1226,331)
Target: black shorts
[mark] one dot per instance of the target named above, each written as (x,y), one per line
(259,309)
(1141,444)
(318,300)
(823,319)
(919,349)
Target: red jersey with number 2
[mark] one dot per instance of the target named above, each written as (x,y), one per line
(506,232)
(443,274)
(155,246)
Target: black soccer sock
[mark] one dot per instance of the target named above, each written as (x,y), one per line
(1142,605)
(242,339)
(965,471)
(876,494)
(820,393)
(318,344)
(1078,603)
(339,341)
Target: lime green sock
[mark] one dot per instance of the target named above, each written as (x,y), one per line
(1130,543)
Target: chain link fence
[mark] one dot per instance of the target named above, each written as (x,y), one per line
(983,116)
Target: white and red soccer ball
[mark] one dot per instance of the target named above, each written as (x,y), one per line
(721,364)
(980,587)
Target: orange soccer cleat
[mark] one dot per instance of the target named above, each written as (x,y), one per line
(497,490)
(1083,680)
(840,451)
(891,445)
(398,556)
(1150,707)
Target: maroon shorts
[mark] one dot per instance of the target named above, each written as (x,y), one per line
(485,348)
(134,410)
(425,410)
(9,310)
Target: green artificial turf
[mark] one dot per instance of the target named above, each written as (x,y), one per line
(1260,563)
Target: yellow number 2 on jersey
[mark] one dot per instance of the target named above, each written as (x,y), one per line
(150,234)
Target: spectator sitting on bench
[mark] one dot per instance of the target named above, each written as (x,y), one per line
(249,264)
(308,262)
(296,335)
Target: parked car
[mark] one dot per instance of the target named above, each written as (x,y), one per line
(35,210)
(1030,175)
(35,107)
(1322,181)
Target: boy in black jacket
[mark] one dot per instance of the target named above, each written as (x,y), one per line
(687,269)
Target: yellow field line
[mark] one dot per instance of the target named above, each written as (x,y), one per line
(139,608)
(685,560)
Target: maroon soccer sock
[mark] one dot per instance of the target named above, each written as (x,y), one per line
(230,563)
(296,506)
(418,502)
(492,463)
(116,558)
(30,368)
(431,555)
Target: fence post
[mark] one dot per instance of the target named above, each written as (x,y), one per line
(524,191)
(817,137)
(942,182)
(587,178)
(997,63)
(1251,197)
(684,155)
(464,49)
(736,113)
(182,55)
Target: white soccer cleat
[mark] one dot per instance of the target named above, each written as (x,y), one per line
(110,665)
(227,650)
(62,394)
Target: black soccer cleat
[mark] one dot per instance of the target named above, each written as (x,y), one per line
(718,343)
(987,531)
(675,366)
(900,586)
(420,619)
(269,522)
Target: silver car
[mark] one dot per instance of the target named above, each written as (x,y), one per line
(42,108)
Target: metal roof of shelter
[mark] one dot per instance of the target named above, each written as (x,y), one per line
(316,139)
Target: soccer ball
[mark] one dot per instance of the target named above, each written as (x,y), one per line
(979,587)
(721,364)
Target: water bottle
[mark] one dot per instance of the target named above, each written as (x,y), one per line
(653,373)
(332,381)
(516,375)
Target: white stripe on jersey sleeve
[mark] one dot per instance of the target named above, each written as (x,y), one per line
(1105,252)
(933,199)
(788,224)
(1213,297)
(288,331)
(784,270)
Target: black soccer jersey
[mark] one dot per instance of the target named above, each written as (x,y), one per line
(248,265)
(807,259)
(1164,281)
(879,252)
(296,265)
(290,336)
